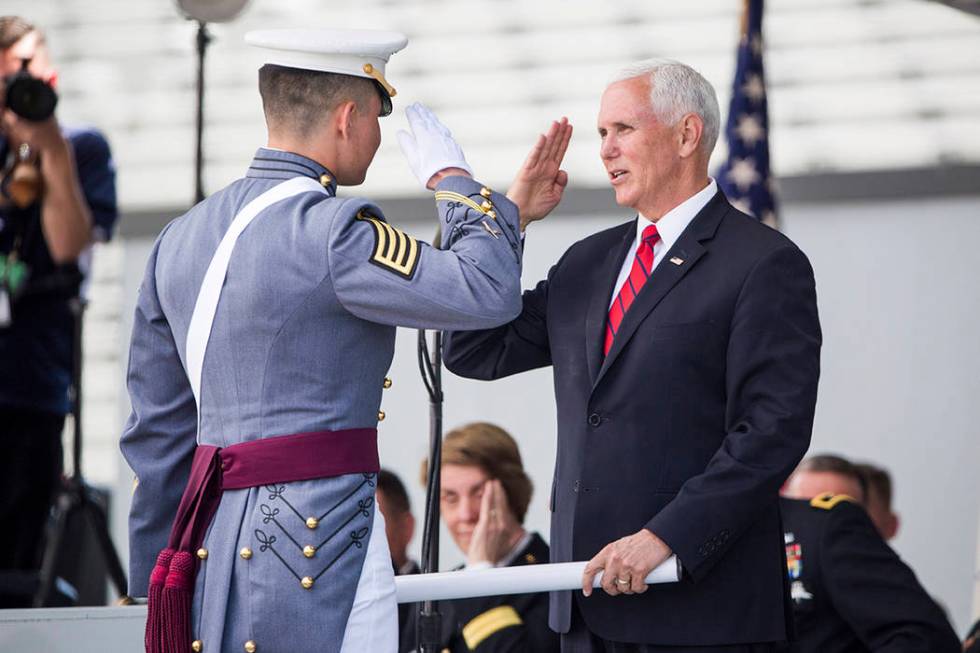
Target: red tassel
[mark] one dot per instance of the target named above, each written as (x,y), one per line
(158,577)
(175,600)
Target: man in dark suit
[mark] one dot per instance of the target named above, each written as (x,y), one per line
(685,345)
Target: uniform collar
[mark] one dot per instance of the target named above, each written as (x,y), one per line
(509,559)
(270,163)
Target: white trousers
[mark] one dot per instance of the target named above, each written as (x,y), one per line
(373,622)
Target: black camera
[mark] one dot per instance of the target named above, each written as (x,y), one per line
(27,96)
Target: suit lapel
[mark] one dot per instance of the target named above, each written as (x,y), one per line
(599,294)
(687,250)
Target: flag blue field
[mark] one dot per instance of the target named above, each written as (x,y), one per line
(745,177)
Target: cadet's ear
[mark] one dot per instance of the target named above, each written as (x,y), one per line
(892,522)
(409,526)
(343,118)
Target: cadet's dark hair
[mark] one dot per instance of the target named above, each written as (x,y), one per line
(493,450)
(877,479)
(394,490)
(297,100)
(836,465)
(13,29)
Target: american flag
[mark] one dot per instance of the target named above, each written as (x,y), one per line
(745,177)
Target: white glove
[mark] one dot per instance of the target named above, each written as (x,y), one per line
(430,147)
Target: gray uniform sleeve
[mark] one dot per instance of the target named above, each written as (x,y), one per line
(160,435)
(384,275)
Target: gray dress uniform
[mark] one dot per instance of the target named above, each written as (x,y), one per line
(303,335)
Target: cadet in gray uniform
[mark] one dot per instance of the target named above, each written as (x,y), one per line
(284,335)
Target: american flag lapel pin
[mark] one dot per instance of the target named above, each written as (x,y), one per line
(676,260)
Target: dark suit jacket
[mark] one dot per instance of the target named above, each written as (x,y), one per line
(851,593)
(487,624)
(688,427)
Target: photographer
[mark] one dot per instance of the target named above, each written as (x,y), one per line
(57,196)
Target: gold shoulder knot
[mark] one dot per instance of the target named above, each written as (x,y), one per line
(828,500)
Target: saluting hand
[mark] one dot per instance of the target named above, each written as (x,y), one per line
(540,182)
(626,563)
(494,532)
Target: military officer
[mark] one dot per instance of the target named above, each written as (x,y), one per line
(263,330)
(484,496)
(850,591)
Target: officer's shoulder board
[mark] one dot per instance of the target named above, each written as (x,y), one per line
(487,623)
(394,250)
(828,500)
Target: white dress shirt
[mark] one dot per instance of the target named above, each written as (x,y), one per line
(670,227)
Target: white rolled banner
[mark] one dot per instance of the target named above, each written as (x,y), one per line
(448,585)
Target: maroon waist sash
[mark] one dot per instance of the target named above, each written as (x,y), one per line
(281,459)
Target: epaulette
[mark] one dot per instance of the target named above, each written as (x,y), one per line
(488,623)
(828,500)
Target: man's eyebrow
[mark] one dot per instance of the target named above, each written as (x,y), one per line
(615,124)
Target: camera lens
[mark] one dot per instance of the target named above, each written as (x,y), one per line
(30,98)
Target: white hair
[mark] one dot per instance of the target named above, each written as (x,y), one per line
(676,89)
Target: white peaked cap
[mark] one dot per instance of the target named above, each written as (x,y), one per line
(357,52)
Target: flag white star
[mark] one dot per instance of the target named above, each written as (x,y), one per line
(744,174)
(749,130)
(754,89)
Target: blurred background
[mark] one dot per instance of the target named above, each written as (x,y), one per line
(874,133)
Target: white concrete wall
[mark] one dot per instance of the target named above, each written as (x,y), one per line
(900,309)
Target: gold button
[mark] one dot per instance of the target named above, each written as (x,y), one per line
(486,206)
(325,180)
(250,647)
(368,68)
(307,582)
(485,192)
(245,553)
(309,551)
(387,383)
(197,646)
(202,553)
(381,416)
(492,214)
(312,522)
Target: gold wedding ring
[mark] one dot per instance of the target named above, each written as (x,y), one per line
(620,581)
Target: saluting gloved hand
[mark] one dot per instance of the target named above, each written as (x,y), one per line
(430,148)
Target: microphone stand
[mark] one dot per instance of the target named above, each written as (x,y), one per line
(430,365)
(203,39)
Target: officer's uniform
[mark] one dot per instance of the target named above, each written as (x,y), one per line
(301,339)
(516,623)
(850,592)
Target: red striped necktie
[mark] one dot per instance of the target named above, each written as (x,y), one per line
(639,273)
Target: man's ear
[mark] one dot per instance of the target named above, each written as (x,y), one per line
(410,526)
(343,118)
(690,130)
